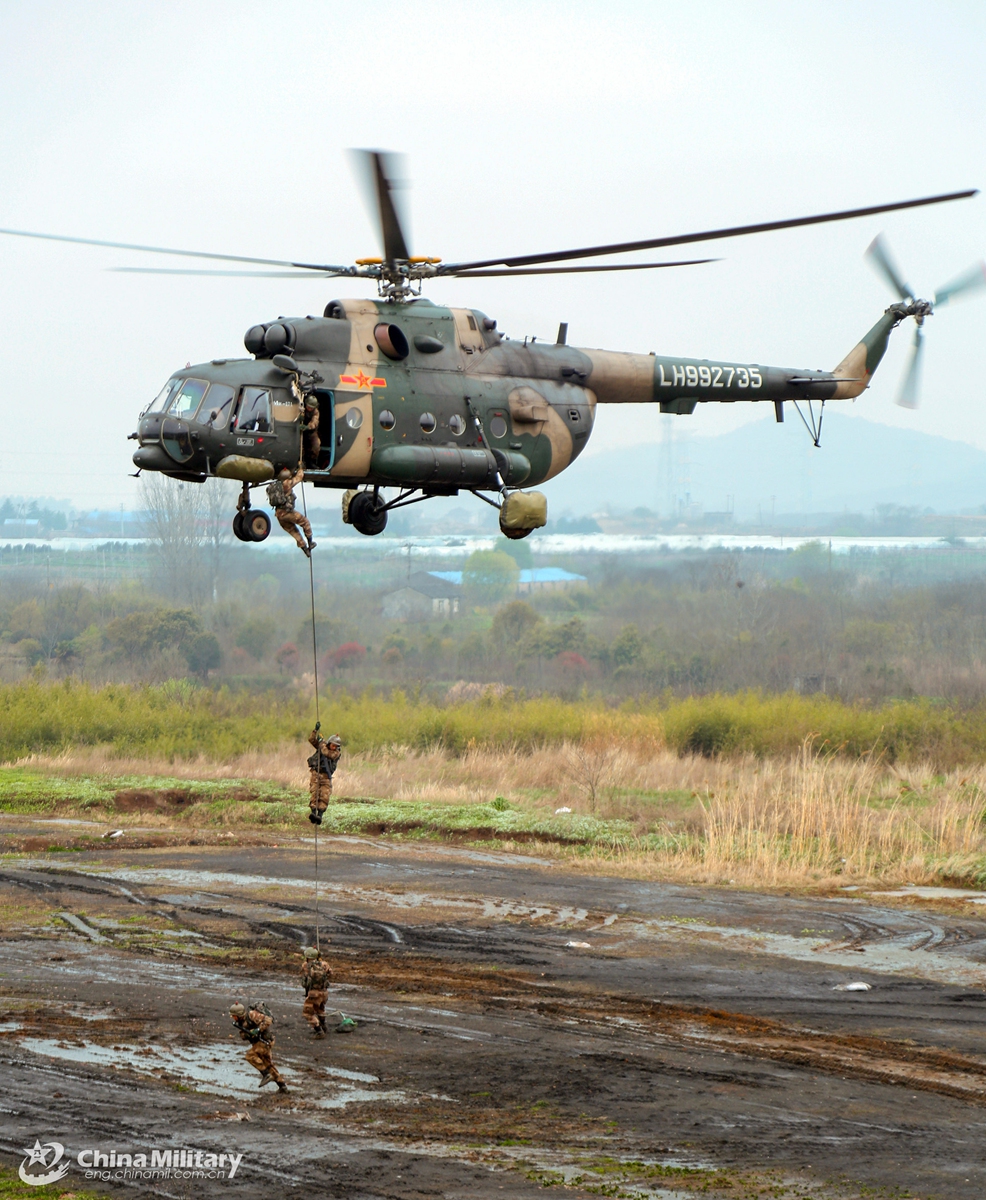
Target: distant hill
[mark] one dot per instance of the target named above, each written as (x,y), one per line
(764,467)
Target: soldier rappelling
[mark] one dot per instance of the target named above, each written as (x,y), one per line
(315,974)
(280,496)
(322,765)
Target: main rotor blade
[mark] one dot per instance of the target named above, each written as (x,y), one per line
(971,281)
(882,261)
(309,274)
(707,235)
(685,262)
(907,397)
(377,173)
(265,262)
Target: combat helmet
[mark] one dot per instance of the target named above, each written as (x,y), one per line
(310,952)
(237,1010)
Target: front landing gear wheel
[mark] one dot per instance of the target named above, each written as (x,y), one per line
(256,525)
(238,530)
(366,515)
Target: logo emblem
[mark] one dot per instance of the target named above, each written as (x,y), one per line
(362,381)
(49,1156)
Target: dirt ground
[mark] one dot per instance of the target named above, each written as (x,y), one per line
(519,1025)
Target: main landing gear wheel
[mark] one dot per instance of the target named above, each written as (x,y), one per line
(256,525)
(366,515)
(238,530)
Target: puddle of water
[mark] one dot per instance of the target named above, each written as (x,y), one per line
(496,908)
(938,893)
(212,1068)
(355,1076)
(67,821)
(893,957)
(10,1026)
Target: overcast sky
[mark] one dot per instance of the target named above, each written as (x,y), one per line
(529,126)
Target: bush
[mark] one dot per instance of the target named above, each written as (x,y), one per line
(203,654)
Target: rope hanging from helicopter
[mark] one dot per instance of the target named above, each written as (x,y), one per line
(318,721)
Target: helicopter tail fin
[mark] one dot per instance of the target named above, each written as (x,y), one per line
(857,368)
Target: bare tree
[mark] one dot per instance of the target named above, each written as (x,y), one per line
(219,504)
(174,517)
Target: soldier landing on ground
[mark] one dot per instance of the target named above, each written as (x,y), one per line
(256,1026)
(322,765)
(280,496)
(315,980)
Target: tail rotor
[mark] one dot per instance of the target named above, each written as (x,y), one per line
(880,258)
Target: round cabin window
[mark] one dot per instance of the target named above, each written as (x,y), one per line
(354,418)
(387,419)
(427,422)
(498,427)
(457,425)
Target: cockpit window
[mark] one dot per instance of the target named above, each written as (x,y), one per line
(215,411)
(160,401)
(254,414)
(187,401)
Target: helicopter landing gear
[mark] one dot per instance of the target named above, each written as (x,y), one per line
(249,524)
(366,514)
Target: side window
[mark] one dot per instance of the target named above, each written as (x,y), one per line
(187,401)
(215,411)
(254,414)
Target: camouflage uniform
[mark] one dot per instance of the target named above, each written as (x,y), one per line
(315,980)
(256,1026)
(280,495)
(309,431)
(322,765)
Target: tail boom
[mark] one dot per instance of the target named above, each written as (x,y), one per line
(679,384)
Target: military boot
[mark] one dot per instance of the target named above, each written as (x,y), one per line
(265,1078)
(282,1086)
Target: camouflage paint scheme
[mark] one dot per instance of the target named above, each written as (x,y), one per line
(523,409)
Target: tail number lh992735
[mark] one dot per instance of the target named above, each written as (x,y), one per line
(708,376)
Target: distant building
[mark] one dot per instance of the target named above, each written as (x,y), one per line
(536,579)
(20,527)
(426,595)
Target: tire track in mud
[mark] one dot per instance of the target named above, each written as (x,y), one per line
(850,1056)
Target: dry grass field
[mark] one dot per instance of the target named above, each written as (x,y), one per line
(805,820)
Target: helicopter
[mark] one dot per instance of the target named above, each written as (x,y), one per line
(412,397)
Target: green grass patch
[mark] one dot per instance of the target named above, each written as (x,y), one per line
(11,1188)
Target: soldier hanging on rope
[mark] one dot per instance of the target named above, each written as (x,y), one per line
(322,765)
(256,1026)
(280,496)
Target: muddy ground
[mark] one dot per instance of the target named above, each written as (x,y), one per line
(690,1041)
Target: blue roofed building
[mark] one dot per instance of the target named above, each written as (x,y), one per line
(530,579)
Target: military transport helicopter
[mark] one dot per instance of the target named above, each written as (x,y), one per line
(430,401)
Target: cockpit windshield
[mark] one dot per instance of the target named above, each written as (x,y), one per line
(160,401)
(186,403)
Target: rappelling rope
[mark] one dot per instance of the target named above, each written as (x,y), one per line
(318,722)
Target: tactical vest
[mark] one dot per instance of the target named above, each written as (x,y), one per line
(318,976)
(276,496)
(321,763)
